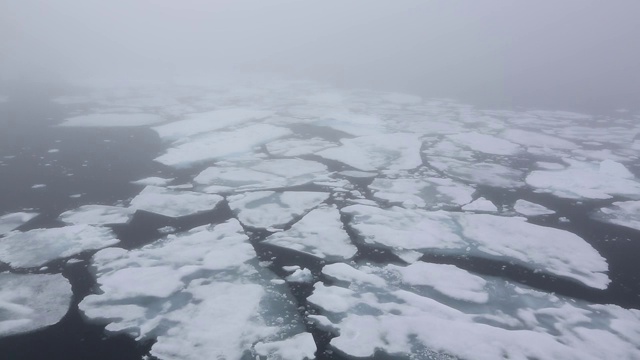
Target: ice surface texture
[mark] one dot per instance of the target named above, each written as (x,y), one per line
(12,221)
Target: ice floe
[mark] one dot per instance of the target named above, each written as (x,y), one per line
(399,151)
(97,215)
(482,173)
(12,221)
(469,316)
(527,208)
(109,120)
(587,180)
(480,204)
(320,233)
(421,192)
(154,181)
(511,239)
(173,203)
(30,302)
(623,213)
(39,246)
(205,272)
(267,209)
(485,143)
(297,147)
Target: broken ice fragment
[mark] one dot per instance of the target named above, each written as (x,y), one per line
(174,203)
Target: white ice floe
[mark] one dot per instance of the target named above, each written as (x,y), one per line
(482,173)
(97,215)
(536,139)
(300,276)
(485,143)
(219,145)
(266,174)
(12,221)
(154,181)
(399,151)
(298,347)
(469,316)
(358,174)
(200,123)
(320,233)
(173,203)
(205,272)
(266,209)
(297,147)
(623,213)
(109,120)
(421,192)
(39,246)
(528,208)
(511,239)
(480,204)
(587,180)
(30,302)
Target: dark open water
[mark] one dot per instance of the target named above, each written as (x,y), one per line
(99,163)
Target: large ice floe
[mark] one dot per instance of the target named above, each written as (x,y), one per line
(97,215)
(173,203)
(13,221)
(39,246)
(421,192)
(509,239)
(623,213)
(433,311)
(212,299)
(30,302)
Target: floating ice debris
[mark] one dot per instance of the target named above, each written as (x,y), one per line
(482,173)
(31,302)
(53,151)
(298,347)
(320,233)
(545,249)
(12,221)
(200,123)
(205,272)
(218,145)
(300,276)
(109,120)
(39,246)
(38,186)
(623,213)
(266,174)
(586,180)
(480,204)
(528,208)
(431,192)
(154,181)
(536,139)
(486,143)
(297,147)
(265,209)
(399,151)
(97,215)
(469,316)
(174,203)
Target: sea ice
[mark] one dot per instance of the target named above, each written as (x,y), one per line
(173,203)
(154,181)
(536,139)
(320,233)
(109,120)
(399,151)
(623,213)
(480,204)
(39,246)
(12,221)
(486,143)
(528,208)
(482,173)
(510,239)
(205,272)
(218,145)
(97,215)
(266,209)
(297,147)
(430,191)
(587,180)
(31,302)
(469,316)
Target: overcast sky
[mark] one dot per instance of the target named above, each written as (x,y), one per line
(561,53)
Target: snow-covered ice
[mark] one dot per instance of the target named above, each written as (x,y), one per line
(427,191)
(97,215)
(154,181)
(39,246)
(173,203)
(623,213)
(297,147)
(30,302)
(480,204)
(527,208)
(109,120)
(319,233)
(485,143)
(12,221)
(267,209)
(482,173)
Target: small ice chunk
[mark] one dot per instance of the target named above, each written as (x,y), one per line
(153,181)
(264,209)
(30,302)
(528,208)
(623,213)
(480,204)
(174,203)
(97,215)
(300,276)
(12,221)
(53,151)
(320,233)
(38,186)
(399,151)
(344,272)
(109,120)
